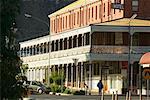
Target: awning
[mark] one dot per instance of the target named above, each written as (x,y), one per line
(145,59)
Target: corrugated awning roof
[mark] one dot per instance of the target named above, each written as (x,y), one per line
(125,22)
(73,5)
(145,59)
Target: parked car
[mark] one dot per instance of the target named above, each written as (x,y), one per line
(36,87)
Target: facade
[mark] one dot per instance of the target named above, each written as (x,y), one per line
(89,49)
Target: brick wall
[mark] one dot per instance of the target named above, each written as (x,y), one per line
(96,12)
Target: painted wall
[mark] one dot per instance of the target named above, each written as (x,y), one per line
(96,12)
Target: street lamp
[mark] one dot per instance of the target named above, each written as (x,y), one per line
(36,18)
(42,21)
(130,66)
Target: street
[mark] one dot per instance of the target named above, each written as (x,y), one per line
(79,97)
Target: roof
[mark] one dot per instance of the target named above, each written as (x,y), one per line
(145,59)
(125,22)
(76,4)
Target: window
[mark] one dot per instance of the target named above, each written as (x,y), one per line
(74,18)
(66,21)
(92,12)
(104,7)
(135,4)
(89,13)
(78,18)
(96,12)
(108,9)
(100,12)
(63,22)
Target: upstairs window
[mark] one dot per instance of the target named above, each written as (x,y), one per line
(135,4)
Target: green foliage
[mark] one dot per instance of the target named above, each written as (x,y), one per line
(55,81)
(55,88)
(81,92)
(57,78)
(67,91)
(24,68)
(10,63)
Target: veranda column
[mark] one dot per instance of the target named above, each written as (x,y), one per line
(38,74)
(77,78)
(29,74)
(50,70)
(32,50)
(83,40)
(53,68)
(26,52)
(36,50)
(67,75)
(58,45)
(81,66)
(39,48)
(41,74)
(72,42)
(62,73)
(72,76)
(85,74)
(58,67)
(90,77)
(67,43)
(63,44)
(43,48)
(47,47)
(54,45)
(84,36)
(34,73)
(77,43)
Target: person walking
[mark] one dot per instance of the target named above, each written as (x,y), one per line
(100,86)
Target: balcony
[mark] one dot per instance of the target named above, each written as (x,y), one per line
(119,49)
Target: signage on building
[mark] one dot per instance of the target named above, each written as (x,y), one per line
(146,73)
(117,6)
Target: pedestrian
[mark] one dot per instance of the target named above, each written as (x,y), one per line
(100,86)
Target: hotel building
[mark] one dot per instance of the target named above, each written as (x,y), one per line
(90,40)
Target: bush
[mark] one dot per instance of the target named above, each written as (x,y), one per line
(67,91)
(81,92)
(55,88)
(56,78)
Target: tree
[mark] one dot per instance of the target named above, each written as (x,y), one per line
(24,68)
(9,62)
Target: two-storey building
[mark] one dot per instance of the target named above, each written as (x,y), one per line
(89,40)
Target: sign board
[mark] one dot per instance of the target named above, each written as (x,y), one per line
(117,6)
(146,73)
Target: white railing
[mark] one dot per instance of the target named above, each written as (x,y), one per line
(86,49)
(70,52)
